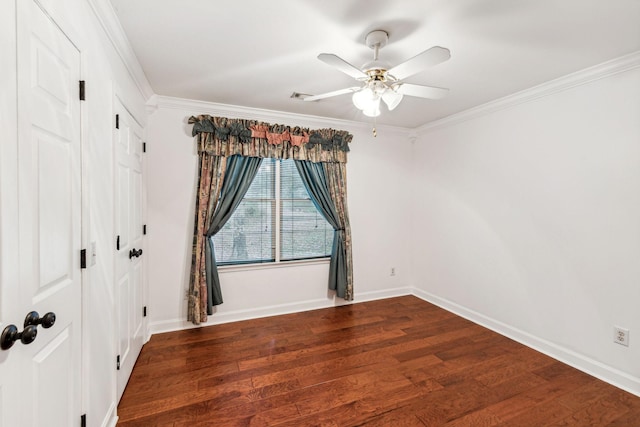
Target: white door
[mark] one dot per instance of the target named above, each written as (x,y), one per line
(41,381)
(129,242)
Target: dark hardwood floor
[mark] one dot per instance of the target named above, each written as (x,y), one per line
(395,362)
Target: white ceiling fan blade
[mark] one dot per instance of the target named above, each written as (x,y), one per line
(342,65)
(420,62)
(330,94)
(428,92)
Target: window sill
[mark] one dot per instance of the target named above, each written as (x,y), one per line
(270,265)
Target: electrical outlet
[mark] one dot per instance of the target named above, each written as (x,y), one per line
(621,336)
(393,271)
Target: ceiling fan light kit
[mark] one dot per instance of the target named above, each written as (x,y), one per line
(382,82)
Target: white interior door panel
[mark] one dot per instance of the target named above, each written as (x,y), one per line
(40,382)
(130,256)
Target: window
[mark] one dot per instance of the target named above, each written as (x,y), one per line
(276,221)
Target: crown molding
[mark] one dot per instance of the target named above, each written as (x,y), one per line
(588,75)
(103,10)
(195,107)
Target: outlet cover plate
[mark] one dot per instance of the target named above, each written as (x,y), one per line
(621,336)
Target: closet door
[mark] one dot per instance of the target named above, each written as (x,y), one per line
(130,251)
(41,372)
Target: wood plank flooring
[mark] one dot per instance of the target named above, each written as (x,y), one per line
(394,362)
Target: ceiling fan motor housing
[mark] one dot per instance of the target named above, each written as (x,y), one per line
(376,69)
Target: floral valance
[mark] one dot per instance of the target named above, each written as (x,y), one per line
(220,136)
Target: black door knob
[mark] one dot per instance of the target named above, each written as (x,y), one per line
(135,253)
(29,334)
(10,335)
(33,318)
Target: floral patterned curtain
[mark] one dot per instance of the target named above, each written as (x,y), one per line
(340,276)
(211,175)
(219,138)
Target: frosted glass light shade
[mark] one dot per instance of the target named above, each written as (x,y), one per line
(373,110)
(391,98)
(365,99)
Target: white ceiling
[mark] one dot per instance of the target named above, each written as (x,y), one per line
(256,53)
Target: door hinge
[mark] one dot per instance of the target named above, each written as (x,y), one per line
(118,243)
(83,258)
(144,311)
(117,121)
(144,229)
(82,93)
(83,420)
(118,362)
(144,147)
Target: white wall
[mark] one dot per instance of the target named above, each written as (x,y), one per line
(378,196)
(527,220)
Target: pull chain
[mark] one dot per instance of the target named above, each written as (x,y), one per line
(374,130)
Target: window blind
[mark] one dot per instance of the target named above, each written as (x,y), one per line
(248,235)
(304,233)
(274,220)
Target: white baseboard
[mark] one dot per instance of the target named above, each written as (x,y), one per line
(590,366)
(274,310)
(112,418)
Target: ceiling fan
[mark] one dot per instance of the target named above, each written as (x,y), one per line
(380,81)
